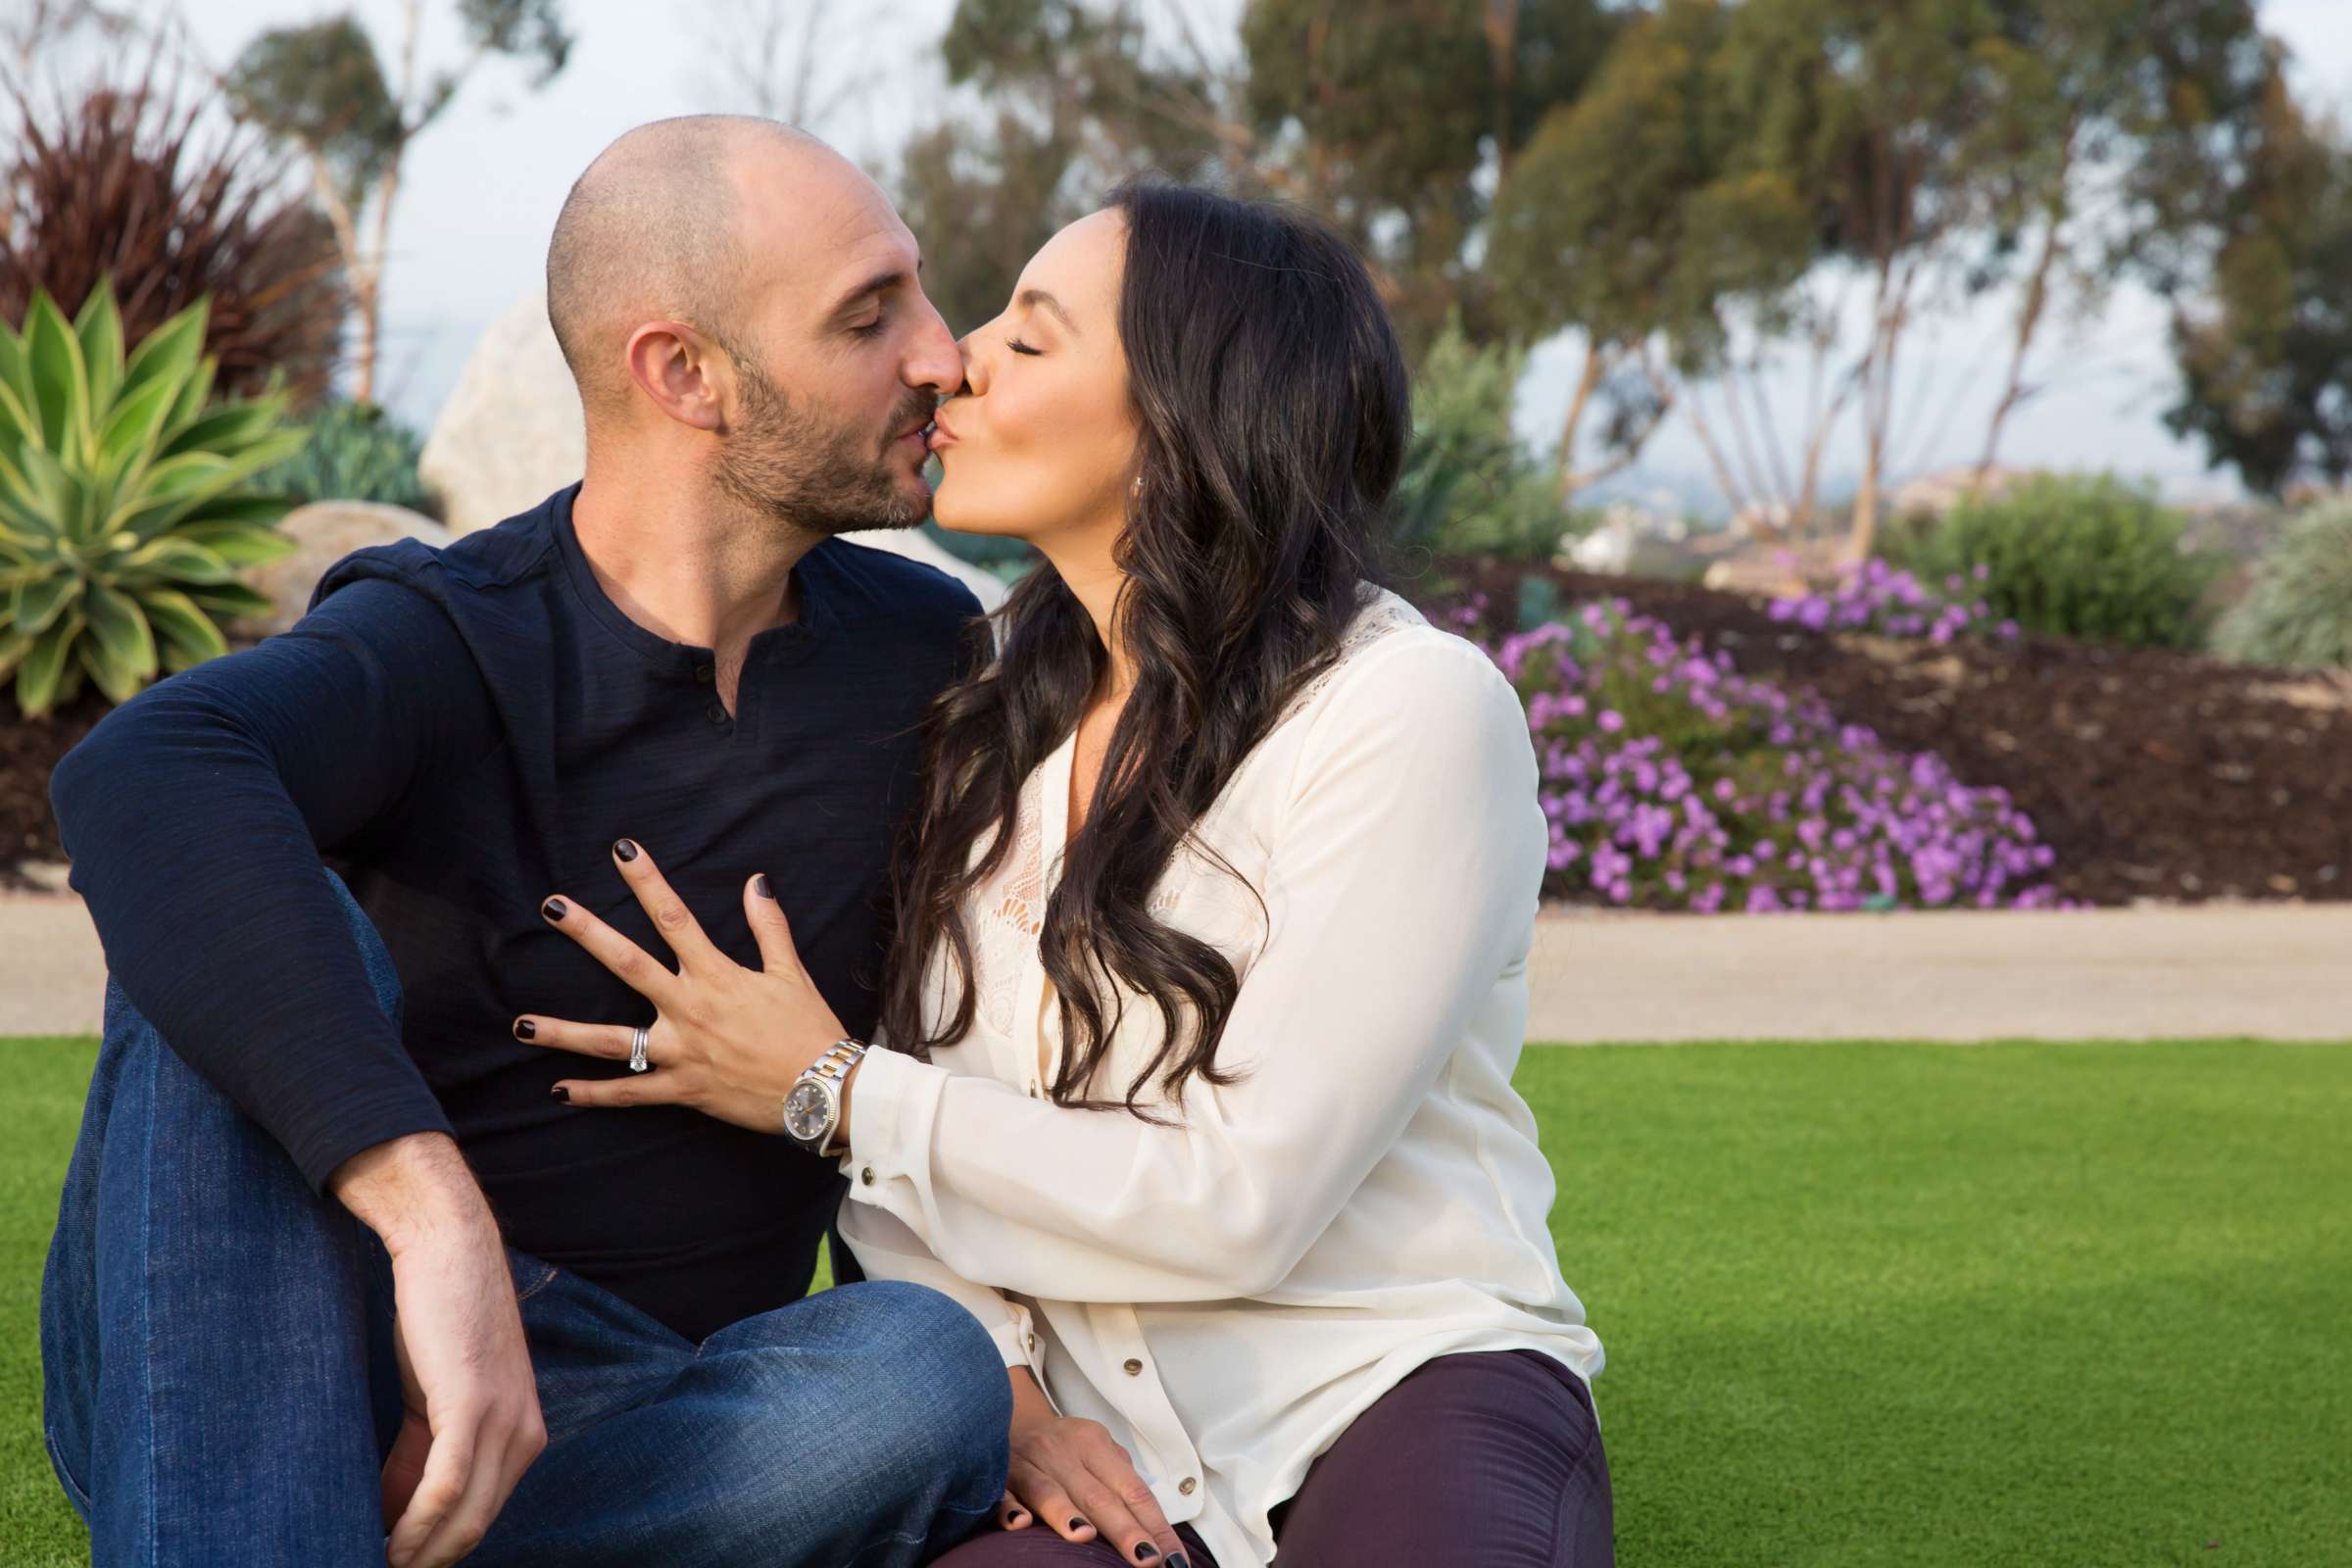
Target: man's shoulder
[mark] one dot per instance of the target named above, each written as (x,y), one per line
(474,563)
(912,591)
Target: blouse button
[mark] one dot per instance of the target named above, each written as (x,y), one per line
(716,713)
(1030,1339)
(1135,1369)
(866,1175)
(702,673)
(1187,1484)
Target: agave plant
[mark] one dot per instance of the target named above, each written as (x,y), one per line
(125,515)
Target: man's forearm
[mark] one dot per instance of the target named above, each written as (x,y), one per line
(414,1191)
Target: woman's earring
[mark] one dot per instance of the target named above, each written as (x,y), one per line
(1139,485)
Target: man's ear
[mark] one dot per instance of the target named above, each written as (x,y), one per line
(681,371)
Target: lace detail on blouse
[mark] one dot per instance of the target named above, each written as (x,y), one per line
(1011,912)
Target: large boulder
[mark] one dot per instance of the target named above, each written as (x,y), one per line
(512,433)
(323,533)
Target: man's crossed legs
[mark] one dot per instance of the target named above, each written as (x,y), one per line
(220,1384)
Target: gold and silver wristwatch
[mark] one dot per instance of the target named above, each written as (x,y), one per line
(813,1110)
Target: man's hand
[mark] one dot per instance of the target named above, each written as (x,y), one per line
(472,1423)
(1074,1476)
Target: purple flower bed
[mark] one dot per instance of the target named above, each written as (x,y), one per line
(1876,597)
(1672,783)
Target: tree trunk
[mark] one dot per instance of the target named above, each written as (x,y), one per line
(2029,318)
(1564,469)
(1865,532)
(1707,443)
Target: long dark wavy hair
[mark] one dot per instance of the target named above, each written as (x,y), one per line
(1273,407)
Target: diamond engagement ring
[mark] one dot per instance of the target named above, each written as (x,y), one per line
(637,1043)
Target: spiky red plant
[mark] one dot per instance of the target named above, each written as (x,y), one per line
(123,182)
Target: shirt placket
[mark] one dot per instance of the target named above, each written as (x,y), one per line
(1129,1377)
(1126,1372)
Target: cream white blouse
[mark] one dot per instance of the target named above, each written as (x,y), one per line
(1226,1295)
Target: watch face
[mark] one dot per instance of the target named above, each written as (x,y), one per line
(808,1112)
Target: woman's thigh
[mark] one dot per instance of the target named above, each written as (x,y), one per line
(1485,1461)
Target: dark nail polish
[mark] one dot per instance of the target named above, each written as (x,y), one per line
(625,850)
(1077,1524)
(524,1029)
(553,909)
(759,884)
(1146,1552)
(562,1093)
(1178,1561)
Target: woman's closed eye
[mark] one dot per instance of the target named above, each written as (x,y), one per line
(1020,347)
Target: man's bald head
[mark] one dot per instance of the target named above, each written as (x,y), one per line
(654,230)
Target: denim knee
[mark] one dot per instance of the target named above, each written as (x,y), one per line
(932,1363)
(908,1389)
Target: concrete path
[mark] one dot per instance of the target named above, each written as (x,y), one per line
(2279,971)
(52,974)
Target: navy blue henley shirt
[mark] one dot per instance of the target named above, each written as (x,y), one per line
(461,733)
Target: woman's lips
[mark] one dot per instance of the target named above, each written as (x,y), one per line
(939,434)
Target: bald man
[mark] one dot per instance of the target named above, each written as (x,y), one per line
(336,1277)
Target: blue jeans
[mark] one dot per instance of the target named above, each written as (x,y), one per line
(218,1384)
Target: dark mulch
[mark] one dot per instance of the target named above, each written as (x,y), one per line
(2151,773)
(29,749)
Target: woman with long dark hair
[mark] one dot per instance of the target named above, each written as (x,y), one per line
(1210,963)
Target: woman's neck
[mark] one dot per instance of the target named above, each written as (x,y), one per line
(1095,581)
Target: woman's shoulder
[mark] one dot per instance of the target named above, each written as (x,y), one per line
(1394,663)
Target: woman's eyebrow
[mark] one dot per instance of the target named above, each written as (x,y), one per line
(1030,298)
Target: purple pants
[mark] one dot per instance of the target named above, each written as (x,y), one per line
(1486,1460)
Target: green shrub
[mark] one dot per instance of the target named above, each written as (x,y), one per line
(124,511)
(2090,558)
(1469,488)
(357,452)
(2298,612)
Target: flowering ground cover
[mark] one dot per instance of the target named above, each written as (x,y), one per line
(1864,1303)
(1874,597)
(2147,773)
(1672,781)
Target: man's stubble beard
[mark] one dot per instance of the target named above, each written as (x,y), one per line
(782,463)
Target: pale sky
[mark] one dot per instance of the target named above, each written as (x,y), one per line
(480,191)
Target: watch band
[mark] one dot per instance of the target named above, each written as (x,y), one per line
(833,1067)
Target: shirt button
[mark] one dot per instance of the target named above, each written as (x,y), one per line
(717,713)
(1187,1484)
(866,1175)
(1135,1369)
(704,674)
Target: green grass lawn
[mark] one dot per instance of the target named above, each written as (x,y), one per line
(1864,1305)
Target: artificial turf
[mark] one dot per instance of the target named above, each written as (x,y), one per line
(1863,1304)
